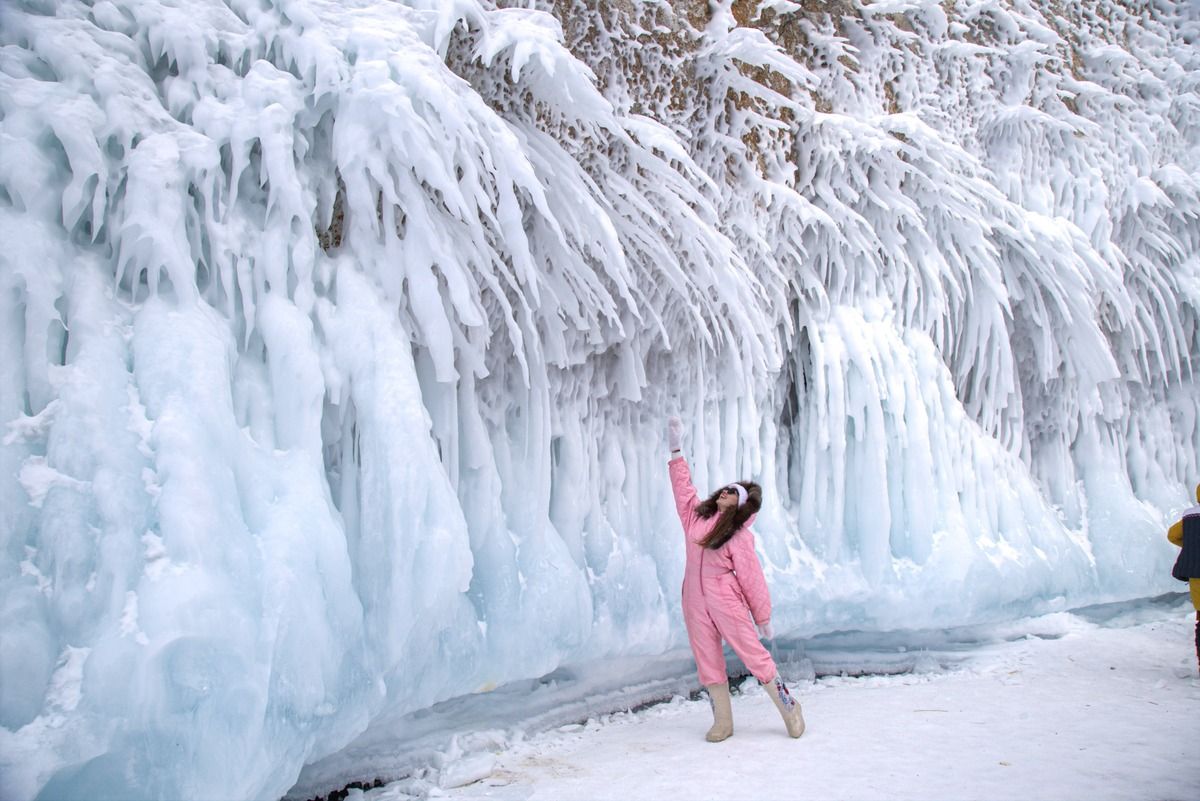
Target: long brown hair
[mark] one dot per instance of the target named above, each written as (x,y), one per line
(732,520)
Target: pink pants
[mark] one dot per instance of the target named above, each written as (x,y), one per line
(707,625)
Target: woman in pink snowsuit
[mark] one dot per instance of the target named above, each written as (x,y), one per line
(723,587)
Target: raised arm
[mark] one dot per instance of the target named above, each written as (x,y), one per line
(681,475)
(681,486)
(750,576)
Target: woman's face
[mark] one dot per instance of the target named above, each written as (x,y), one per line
(728,499)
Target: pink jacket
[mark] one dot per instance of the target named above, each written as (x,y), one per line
(729,576)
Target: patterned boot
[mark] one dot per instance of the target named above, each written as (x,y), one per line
(722,727)
(789,708)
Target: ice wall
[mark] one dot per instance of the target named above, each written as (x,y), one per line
(338,339)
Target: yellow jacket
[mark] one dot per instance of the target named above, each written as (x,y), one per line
(1175,535)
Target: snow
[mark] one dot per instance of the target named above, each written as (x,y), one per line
(337,337)
(1070,705)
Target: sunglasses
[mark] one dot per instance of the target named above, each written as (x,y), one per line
(728,491)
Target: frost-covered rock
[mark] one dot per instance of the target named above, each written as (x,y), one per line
(337,340)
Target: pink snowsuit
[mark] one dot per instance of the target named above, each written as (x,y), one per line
(722,587)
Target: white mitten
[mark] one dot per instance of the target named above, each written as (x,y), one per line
(766,632)
(674,433)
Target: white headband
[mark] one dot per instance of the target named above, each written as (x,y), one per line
(742,494)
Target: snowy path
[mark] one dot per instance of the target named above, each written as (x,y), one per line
(1096,713)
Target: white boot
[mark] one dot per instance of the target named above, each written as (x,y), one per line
(789,707)
(722,727)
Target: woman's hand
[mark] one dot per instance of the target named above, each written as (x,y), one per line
(674,433)
(765,631)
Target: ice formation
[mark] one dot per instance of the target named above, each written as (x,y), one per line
(338,339)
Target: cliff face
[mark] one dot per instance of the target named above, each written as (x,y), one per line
(337,339)
(996,175)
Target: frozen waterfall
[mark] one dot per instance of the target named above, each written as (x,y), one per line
(338,337)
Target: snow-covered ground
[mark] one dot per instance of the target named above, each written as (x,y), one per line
(1097,704)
